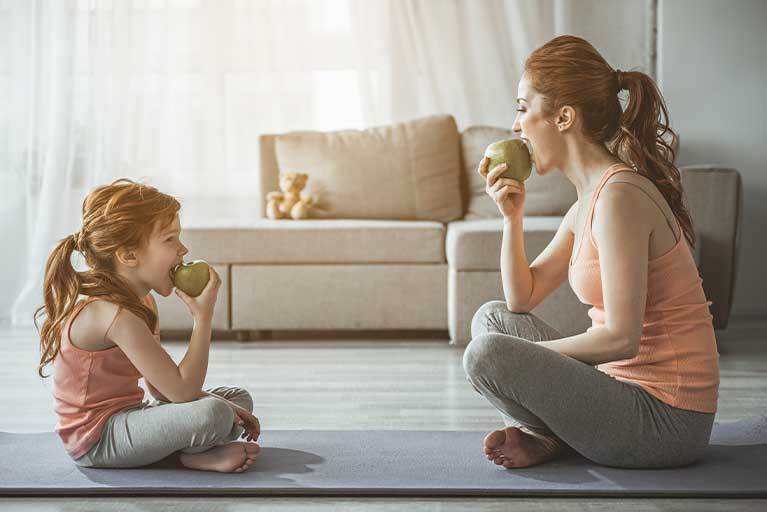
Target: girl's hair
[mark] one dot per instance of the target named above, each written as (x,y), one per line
(569,71)
(120,215)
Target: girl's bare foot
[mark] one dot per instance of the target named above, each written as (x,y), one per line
(234,457)
(511,447)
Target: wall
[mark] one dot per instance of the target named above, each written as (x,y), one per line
(712,72)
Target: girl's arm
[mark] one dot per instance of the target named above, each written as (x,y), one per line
(153,390)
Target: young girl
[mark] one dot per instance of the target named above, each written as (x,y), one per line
(101,346)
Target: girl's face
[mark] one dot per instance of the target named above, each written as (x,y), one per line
(540,133)
(157,259)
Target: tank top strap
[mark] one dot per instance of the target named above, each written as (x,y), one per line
(79,306)
(613,169)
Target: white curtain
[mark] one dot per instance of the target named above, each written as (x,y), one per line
(175,93)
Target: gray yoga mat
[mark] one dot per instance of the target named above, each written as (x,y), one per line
(413,463)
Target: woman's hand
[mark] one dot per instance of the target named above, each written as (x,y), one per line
(508,193)
(247,421)
(202,306)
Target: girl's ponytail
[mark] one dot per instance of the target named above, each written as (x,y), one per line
(61,288)
(120,215)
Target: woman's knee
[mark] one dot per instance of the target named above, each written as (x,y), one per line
(480,353)
(496,313)
(486,310)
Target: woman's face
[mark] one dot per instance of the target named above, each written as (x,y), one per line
(540,132)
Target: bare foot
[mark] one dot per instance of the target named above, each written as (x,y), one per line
(234,457)
(511,447)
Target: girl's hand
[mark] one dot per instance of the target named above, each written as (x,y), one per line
(508,193)
(202,306)
(249,422)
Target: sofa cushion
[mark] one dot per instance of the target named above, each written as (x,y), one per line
(320,241)
(405,171)
(476,244)
(552,194)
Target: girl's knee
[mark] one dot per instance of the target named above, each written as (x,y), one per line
(217,416)
(244,399)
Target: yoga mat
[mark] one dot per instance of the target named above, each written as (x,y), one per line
(391,463)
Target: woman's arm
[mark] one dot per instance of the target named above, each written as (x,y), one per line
(621,231)
(516,275)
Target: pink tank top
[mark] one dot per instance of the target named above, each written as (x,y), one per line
(678,362)
(89,387)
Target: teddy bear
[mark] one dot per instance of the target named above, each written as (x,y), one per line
(290,203)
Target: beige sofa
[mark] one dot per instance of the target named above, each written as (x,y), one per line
(407,239)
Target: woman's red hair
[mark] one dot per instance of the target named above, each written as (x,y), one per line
(569,71)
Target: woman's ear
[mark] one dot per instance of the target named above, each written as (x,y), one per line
(565,118)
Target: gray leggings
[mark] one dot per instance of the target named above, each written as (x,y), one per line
(610,422)
(154,430)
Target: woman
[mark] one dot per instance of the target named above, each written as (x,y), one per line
(639,388)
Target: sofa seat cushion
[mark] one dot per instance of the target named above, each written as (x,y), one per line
(320,241)
(476,244)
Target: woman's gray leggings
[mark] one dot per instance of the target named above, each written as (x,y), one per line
(608,421)
(152,431)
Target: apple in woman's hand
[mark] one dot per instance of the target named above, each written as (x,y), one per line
(513,153)
(191,277)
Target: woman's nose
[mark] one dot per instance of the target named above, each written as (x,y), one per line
(184,250)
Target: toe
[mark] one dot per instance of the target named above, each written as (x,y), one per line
(495,439)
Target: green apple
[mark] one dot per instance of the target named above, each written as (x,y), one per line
(191,277)
(512,152)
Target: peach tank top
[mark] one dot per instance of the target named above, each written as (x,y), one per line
(678,362)
(89,387)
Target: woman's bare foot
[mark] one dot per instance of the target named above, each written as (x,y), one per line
(511,447)
(234,457)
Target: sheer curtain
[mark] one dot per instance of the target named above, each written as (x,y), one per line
(175,93)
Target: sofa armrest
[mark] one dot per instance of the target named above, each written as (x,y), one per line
(714,199)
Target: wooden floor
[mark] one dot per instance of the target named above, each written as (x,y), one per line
(355,385)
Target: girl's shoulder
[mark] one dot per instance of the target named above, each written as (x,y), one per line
(88,328)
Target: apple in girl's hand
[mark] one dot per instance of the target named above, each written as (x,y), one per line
(191,277)
(513,153)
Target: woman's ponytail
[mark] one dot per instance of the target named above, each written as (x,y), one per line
(61,288)
(641,140)
(568,70)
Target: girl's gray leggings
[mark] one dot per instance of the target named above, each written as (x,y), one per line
(152,431)
(610,422)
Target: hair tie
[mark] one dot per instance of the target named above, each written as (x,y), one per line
(619,79)
(76,238)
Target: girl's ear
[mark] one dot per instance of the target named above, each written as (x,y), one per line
(126,257)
